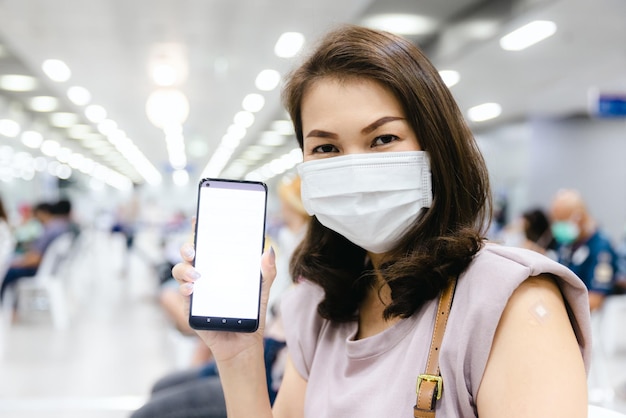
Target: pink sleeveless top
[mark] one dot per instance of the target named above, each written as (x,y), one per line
(376,376)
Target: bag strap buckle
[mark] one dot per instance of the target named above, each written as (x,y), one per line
(430,378)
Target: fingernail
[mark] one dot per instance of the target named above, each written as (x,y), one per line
(188,286)
(188,252)
(193,275)
(272,255)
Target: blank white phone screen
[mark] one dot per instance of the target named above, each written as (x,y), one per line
(229,243)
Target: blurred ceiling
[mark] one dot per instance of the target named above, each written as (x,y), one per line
(220,46)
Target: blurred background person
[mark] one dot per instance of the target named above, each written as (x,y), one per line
(538,233)
(55,220)
(531,230)
(582,246)
(294,220)
(62,210)
(587,251)
(27,228)
(7,241)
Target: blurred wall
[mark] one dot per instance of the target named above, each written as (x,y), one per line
(530,161)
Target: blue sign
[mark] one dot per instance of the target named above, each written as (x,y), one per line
(611,105)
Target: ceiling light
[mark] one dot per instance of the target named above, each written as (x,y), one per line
(272,139)
(95,113)
(63,119)
(102,150)
(244,119)
(400,23)
(449,77)
(44,103)
(107,126)
(117,137)
(76,160)
(80,96)
(57,70)
(178,159)
(267,80)
(167,64)
(253,102)
(64,154)
(40,164)
(528,35)
(180,177)
(32,139)
(93,142)
(254,151)
(9,128)
(50,147)
(283,127)
(217,162)
(236,169)
(236,132)
(164,75)
(484,112)
(175,139)
(289,44)
(17,82)
(166,107)
(78,131)
(252,156)
(63,171)
(87,165)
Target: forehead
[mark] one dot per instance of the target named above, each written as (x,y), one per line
(563,209)
(360,93)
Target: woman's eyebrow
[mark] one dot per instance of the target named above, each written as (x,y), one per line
(368,129)
(321,134)
(380,122)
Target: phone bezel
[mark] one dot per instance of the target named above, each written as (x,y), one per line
(219,323)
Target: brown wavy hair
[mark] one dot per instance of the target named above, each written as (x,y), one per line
(443,240)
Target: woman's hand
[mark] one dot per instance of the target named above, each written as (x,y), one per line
(226,345)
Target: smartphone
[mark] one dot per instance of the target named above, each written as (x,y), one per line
(229,240)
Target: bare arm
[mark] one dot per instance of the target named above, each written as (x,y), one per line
(535,367)
(29,259)
(289,402)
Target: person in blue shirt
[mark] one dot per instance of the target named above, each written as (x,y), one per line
(582,245)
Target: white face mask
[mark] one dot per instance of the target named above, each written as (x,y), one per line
(371,199)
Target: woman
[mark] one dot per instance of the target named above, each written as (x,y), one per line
(401,199)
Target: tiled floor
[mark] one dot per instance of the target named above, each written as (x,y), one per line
(104,363)
(119,342)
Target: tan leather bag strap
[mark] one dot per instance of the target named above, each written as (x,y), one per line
(430,383)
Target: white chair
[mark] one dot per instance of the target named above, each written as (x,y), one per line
(48,282)
(600,412)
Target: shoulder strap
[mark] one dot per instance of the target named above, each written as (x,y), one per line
(430,383)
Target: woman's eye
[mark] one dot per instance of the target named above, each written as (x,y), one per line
(321,149)
(384,139)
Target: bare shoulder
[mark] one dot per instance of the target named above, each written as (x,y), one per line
(536,354)
(533,293)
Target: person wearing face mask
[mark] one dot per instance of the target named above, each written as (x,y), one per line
(402,306)
(583,247)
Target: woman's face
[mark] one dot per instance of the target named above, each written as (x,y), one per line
(353,117)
